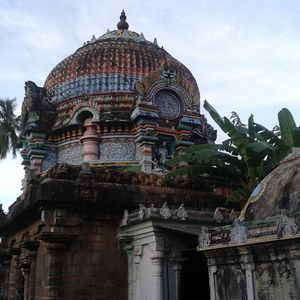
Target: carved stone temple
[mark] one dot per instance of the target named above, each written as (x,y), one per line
(98,217)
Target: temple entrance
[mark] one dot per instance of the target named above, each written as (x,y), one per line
(194,276)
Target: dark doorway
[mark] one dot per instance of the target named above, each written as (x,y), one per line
(194,277)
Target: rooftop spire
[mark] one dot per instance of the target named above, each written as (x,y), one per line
(122,25)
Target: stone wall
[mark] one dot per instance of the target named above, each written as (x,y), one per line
(94,264)
(90,266)
(267,271)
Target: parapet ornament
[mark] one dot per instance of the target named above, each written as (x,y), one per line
(125,218)
(218,216)
(286,225)
(238,233)
(142,212)
(165,212)
(151,211)
(182,214)
(204,238)
(38,113)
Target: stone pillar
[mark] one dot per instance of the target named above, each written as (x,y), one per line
(138,251)
(54,270)
(177,269)
(212,269)
(130,273)
(36,151)
(6,266)
(248,266)
(31,254)
(296,264)
(32,278)
(157,275)
(90,142)
(15,288)
(26,273)
(146,157)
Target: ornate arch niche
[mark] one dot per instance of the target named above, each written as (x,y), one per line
(171,80)
(83,113)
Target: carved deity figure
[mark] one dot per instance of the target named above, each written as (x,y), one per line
(37,113)
(163,153)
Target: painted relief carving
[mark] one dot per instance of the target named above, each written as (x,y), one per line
(161,152)
(168,105)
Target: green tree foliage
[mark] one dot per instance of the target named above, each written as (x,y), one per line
(249,154)
(9,126)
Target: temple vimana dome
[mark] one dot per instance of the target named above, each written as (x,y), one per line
(117,100)
(95,140)
(101,217)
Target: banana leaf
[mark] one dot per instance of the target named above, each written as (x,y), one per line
(256,152)
(251,131)
(287,126)
(296,137)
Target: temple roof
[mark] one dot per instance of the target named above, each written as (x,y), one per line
(277,192)
(114,61)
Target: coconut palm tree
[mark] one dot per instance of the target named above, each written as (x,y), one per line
(9,126)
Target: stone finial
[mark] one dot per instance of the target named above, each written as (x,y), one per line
(151,210)
(233,215)
(123,25)
(125,218)
(182,213)
(238,233)
(93,38)
(286,225)
(165,211)
(142,212)
(218,215)
(204,237)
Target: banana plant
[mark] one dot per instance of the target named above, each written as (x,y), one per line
(250,153)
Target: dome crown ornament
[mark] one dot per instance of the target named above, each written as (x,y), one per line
(123,25)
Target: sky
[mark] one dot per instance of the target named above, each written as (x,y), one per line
(244,54)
